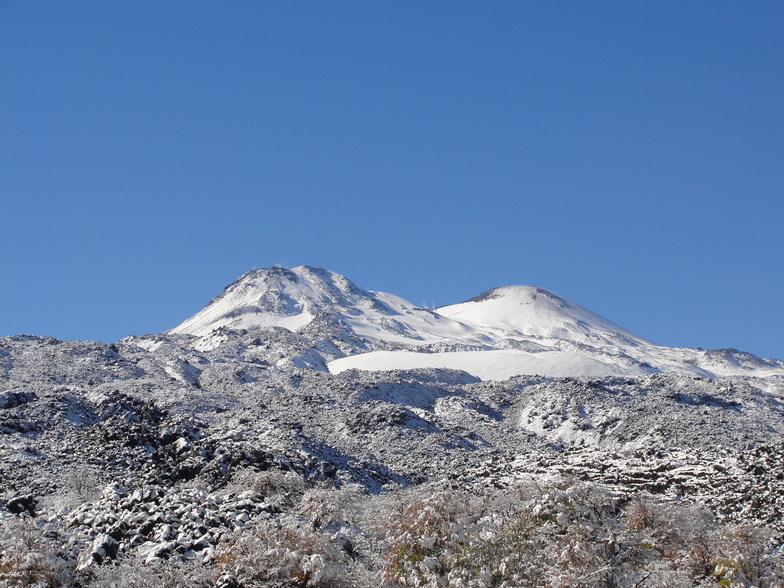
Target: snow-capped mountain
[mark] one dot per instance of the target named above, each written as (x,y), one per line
(245,427)
(294,298)
(508,331)
(528,311)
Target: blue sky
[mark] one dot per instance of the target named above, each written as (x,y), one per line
(626,155)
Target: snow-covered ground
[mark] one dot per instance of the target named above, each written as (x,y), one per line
(487,365)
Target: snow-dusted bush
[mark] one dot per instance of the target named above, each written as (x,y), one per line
(746,556)
(424,538)
(285,554)
(458,538)
(282,488)
(572,536)
(328,506)
(135,574)
(28,558)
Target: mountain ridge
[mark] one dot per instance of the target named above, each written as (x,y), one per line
(538,331)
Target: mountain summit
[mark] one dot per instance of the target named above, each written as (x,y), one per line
(279,297)
(295,298)
(529,311)
(513,330)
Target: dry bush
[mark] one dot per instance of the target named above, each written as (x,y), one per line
(132,573)
(278,554)
(28,558)
(746,556)
(325,506)
(83,485)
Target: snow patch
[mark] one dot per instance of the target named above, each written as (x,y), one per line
(486,365)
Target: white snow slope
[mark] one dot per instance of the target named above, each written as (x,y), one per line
(508,331)
(498,364)
(527,311)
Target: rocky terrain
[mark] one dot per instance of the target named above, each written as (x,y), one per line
(227,446)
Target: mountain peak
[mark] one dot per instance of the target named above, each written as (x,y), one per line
(518,292)
(273,297)
(532,311)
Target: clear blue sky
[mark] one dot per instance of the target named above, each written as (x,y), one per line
(626,155)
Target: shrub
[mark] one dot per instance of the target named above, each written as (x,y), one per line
(135,574)
(28,558)
(275,552)
(454,538)
(326,506)
(745,557)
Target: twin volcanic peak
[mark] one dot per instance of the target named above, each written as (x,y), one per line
(292,298)
(504,332)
